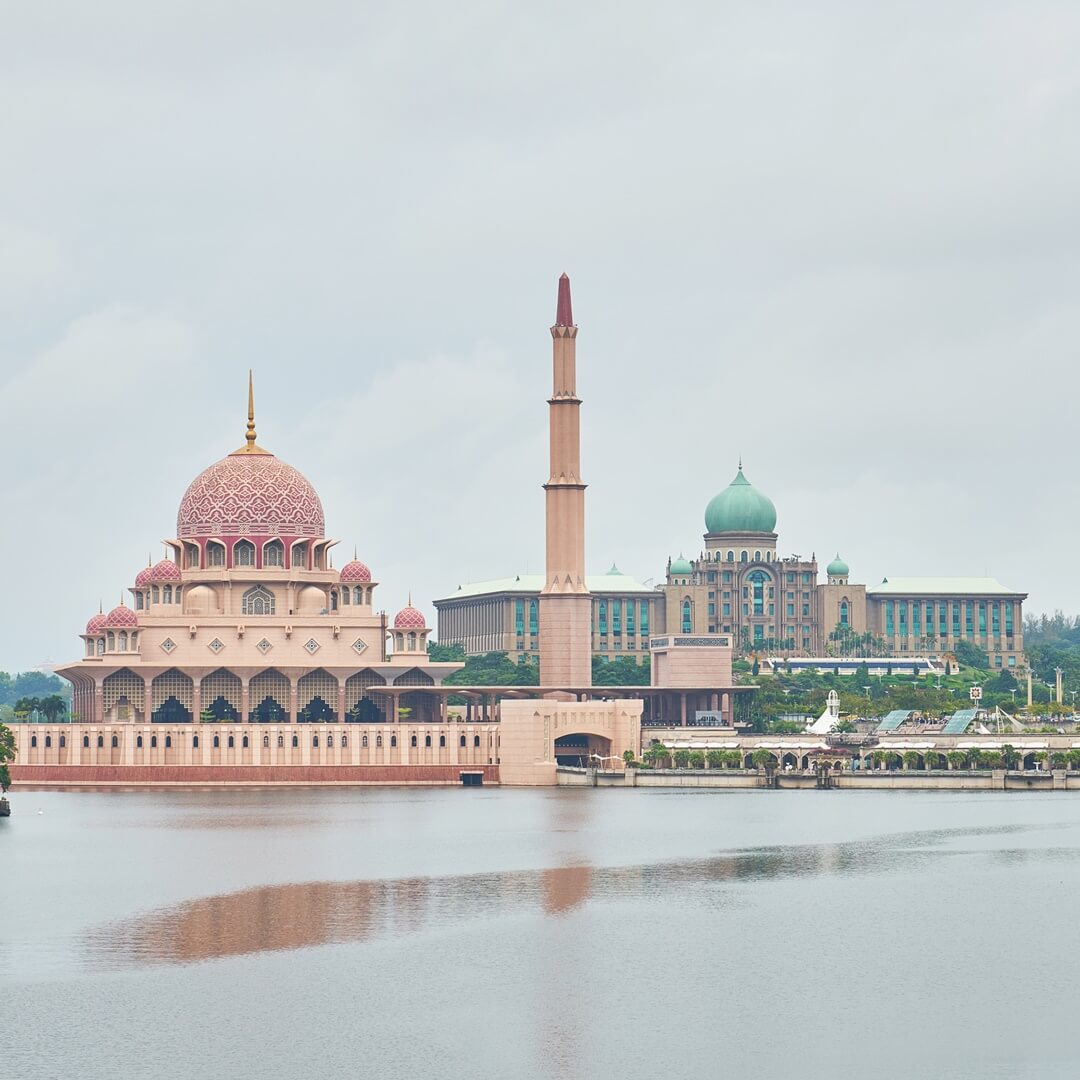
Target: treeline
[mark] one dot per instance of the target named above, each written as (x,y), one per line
(30,686)
(1053,641)
(498,669)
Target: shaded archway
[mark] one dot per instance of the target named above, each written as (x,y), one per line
(578,749)
(171,695)
(268,697)
(362,707)
(317,698)
(221,696)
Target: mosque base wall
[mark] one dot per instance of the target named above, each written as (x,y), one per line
(240,775)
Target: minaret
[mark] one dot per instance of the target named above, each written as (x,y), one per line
(565,604)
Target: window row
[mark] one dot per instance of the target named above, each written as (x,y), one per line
(244,553)
(244,744)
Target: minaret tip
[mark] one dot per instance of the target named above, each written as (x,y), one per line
(564,315)
(251,409)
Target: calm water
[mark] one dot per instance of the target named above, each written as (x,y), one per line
(405,933)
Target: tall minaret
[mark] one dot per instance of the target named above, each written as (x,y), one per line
(565,604)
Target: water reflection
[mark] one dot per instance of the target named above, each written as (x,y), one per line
(303,915)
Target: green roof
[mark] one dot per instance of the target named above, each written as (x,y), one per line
(837,568)
(614,581)
(740,508)
(941,586)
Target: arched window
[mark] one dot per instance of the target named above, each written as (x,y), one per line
(243,553)
(111,638)
(258,601)
(281,741)
(166,594)
(329,741)
(476,740)
(843,613)
(462,741)
(299,556)
(358,595)
(215,553)
(274,554)
(134,640)
(63,741)
(757,580)
(333,600)
(378,742)
(412,741)
(427,741)
(101,742)
(412,641)
(731,556)
(344,740)
(244,743)
(33,741)
(48,741)
(217,742)
(153,742)
(363,742)
(138,742)
(442,740)
(168,742)
(232,742)
(742,556)
(195,742)
(314,740)
(121,641)
(101,646)
(757,556)
(345,594)
(138,601)
(86,742)
(295,741)
(266,741)
(115,742)
(687,617)
(393,740)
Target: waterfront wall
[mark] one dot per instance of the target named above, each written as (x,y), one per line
(240,775)
(893,780)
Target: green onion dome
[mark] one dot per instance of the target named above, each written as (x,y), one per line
(740,508)
(680,566)
(837,568)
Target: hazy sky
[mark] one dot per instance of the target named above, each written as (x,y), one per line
(842,240)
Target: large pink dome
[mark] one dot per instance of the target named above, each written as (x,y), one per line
(250,494)
(121,616)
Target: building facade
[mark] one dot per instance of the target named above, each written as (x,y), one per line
(504,616)
(739,584)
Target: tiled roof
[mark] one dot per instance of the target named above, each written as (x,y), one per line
(533,583)
(943,586)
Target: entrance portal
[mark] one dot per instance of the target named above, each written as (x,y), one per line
(581,750)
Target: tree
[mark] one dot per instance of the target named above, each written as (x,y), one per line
(52,707)
(715,758)
(682,759)
(911,759)
(970,655)
(762,759)
(1010,755)
(845,726)
(7,753)
(656,755)
(627,756)
(956,759)
(697,759)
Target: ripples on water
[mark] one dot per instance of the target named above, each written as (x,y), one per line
(303,915)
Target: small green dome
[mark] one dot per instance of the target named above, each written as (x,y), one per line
(740,508)
(837,568)
(680,566)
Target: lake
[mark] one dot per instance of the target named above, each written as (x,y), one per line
(559,933)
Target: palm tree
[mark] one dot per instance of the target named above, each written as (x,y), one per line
(761,759)
(1011,756)
(956,759)
(52,707)
(715,758)
(911,759)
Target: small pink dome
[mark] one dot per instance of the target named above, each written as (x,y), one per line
(143,577)
(408,618)
(95,624)
(120,616)
(355,571)
(165,571)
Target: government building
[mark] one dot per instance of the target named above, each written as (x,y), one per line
(739,584)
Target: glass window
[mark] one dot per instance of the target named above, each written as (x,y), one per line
(243,553)
(644,611)
(519,618)
(534,620)
(687,617)
(215,553)
(274,554)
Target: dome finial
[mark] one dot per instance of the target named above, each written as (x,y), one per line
(740,463)
(251,409)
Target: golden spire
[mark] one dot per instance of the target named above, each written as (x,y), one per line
(250,446)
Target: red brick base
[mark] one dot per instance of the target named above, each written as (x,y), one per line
(262,775)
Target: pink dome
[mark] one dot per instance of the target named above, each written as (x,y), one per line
(165,571)
(250,494)
(96,623)
(408,618)
(120,616)
(355,570)
(143,577)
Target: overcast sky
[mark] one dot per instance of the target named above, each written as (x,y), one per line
(842,240)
